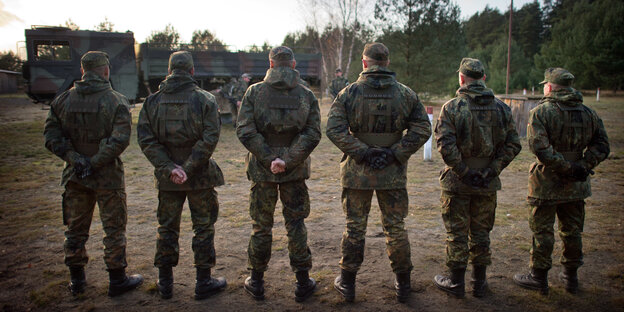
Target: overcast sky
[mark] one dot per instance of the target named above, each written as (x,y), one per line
(239,23)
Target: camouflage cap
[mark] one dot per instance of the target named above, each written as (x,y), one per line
(181,60)
(376,51)
(94,59)
(246,75)
(281,53)
(338,70)
(471,68)
(559,76)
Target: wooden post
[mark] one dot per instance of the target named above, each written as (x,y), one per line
(509,49)
(598,95)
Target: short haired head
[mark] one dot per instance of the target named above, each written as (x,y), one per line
(281,56)
(375,53)
(94,59)
(182,60)
(471,68)
(558,76)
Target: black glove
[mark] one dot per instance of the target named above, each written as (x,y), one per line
(487,174)
(473,179)
(578,172)
(389,155)
(82,167)
(374,157)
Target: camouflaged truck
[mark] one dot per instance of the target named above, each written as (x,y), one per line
(54,60)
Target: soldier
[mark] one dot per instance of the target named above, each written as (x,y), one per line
(569,140)
(338,83)
(279,123)
(477,139)
(240,86)
(227,92)
(367,122)
(178,131)
(88,126)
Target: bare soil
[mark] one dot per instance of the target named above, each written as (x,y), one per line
(34,278)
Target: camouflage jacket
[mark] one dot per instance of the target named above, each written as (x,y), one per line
(239,89)
(377,104)
(475,127)
(560,127)
(180,125)
(337,84)
(279,118)
(93,120)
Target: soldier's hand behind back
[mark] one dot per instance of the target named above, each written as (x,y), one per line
(473,179)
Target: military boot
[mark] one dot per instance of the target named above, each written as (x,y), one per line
(206,286)
(537,279)
(453,284)
(165,282)
(570,278)
(121,283)
(479,283)
(305,286)
(345,285)
(403,286)
(77,281)
(254,285)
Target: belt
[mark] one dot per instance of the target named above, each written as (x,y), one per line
(385,139)
(88,149)
(572,156)
(477,162)
(279,140)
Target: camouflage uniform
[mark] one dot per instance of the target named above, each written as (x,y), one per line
(561,132)
(238,91)
(474,130)
(180,125)
(279,118)
(375,111)
(92,120)
(337,84)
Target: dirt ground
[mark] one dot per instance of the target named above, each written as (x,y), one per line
(33,276)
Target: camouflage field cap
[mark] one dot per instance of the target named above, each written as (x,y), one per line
(559,76)
(246,75)
(281,53)
(471,68)
(181,60)
(376,51)
(338,70)
(94,59)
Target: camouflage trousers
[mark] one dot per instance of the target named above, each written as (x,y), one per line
(468,219)
(78,205)
(571,217)
(394,208)
(296,207)
(204,208)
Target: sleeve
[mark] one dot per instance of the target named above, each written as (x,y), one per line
(418,131)
(55,140)
(305,142)
(111,147)
(338,128)
(203,149)
(539,142)
(446,139)
(510,147)
(155,152)
(598,148)
(248,133)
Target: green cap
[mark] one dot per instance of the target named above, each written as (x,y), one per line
(559,76)
(471,68)
(94,59)
(281,53)
(181,60)
(376,51)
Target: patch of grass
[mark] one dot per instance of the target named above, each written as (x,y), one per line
(49,293)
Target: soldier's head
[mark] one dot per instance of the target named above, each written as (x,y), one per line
(246,77)
(181,61)
(470,70)
(338,72)
(97,62)
(556,78)
(282,57)
(375,53)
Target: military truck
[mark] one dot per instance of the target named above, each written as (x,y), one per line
(54,60)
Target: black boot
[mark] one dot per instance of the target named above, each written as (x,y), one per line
(305,286)
(570,278)
(454,284)
(345,285)
(403,286)
(121,283)
(165,282)
(77,282)
(479,283)
(206,286)
(537,279)
(254,285)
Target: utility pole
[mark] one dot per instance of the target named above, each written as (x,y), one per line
(509,49)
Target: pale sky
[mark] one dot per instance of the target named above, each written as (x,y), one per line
(239,23)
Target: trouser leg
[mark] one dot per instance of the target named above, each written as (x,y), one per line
(78,205)
(571,219)
(541,221)
(114,216)
(394,207)
(356,205)
(455,214)
(262,200)
(296,202)
(204,207)
(482,215)
(170,205)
